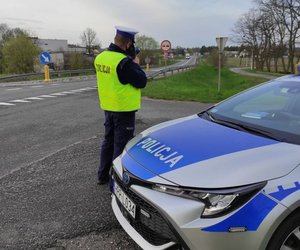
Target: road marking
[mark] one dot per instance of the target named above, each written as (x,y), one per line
(13,89)
(46,96)
(33,98)
(38,86)
(77,90)
(68,92)
(42,97)
(58,94)
(6,104)
(20,101)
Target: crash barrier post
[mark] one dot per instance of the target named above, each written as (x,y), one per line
(47,73)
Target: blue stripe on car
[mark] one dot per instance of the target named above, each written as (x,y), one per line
(282,193)
(192,141)
(133,167)
(252,214)
(249,216)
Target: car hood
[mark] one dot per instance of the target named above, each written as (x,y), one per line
(194,152)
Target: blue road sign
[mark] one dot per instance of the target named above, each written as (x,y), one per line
(45,57)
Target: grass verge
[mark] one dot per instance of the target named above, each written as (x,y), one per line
(199,84)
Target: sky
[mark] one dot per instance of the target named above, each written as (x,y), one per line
(185,23)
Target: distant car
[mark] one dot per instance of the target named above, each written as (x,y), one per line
(226,178)
(187,56)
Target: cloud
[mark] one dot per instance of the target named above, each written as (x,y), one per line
(186,23)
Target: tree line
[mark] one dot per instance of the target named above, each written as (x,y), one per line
(270,34)
(19,52)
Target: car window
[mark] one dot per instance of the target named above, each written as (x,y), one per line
(267,101)
(274,107)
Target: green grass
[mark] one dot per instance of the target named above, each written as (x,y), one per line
(199,84)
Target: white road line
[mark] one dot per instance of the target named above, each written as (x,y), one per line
(41,97)
(13,89)
(33,98)
(20,101)
(59,94)
(46,96)
(67,92)
(89,88)
(77,90)
(6,104)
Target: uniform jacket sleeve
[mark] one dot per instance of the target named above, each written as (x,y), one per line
(130,72)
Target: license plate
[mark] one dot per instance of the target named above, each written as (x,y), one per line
(127,203)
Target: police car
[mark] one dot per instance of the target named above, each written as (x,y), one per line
(226,178)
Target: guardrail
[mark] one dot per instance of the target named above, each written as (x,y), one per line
(150,76)
(171,70)
(52,73)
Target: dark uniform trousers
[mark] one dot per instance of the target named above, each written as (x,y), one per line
(119,129)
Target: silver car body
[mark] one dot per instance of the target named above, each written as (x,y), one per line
(198,154)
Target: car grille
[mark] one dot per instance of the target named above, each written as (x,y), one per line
(153,229)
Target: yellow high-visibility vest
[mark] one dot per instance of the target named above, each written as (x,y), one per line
(113,95)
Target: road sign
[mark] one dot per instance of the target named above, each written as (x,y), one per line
(165,45)
(45,58)
(221,41)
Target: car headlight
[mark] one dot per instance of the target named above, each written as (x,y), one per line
(217,202)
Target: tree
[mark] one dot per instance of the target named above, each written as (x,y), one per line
(178,50)
(146,43)
(76,60)
(287,14)
(90,41)
(3,30)
(19,55)
(5,34)
(270,31)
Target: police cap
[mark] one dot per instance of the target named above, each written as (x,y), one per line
(126,32)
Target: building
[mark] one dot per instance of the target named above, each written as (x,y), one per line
(52,45)
(76,48)
(57,49)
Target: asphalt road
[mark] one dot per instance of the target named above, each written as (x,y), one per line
(50,137)
(242,71)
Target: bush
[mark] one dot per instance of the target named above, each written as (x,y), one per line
(213,59)
(19,55)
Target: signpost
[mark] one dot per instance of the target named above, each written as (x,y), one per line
(221,41)
(45,59)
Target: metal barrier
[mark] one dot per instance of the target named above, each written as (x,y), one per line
(52,73)
(171,70)
(150,76)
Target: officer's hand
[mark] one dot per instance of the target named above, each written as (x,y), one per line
(137,60)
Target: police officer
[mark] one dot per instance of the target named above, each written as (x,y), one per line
(120,80)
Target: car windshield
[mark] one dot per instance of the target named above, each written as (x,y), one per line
(271,110)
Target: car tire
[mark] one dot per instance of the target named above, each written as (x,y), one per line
(287,235)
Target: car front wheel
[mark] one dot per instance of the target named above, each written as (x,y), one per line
(287,236)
